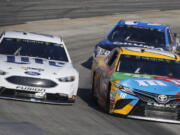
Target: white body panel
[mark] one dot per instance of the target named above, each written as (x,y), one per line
(47,69)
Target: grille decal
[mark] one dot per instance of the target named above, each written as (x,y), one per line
(32,82)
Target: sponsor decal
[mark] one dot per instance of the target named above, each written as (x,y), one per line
(162,98)
(163,105)
(39,61)
(122,76)
(168,79)
(52,63)
(136,45)
(131,22)
(30,89)
(136,75)
(177,82)
(32,73)
(31,68)
(24,59)
(154,24)
(24,94)
(150,83)
(11,59)
(149,49)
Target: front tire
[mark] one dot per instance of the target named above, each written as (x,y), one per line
(94,89)
(107,105)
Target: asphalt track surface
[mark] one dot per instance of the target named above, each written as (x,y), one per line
(19,11)
(84,117)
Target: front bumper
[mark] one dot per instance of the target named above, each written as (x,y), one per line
(145,108)
(38,90)
(143,111)
(50,98)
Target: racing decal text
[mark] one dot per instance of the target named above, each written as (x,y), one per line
(30,89)
(150,82)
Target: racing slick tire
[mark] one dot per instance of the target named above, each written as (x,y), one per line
(94,98)
(107,106)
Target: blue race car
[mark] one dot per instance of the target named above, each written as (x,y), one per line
(137,34)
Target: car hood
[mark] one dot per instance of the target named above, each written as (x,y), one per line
(149,83)
(37,67)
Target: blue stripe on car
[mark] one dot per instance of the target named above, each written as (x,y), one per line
(134,101)
(39,61)
(52,63)
(10,58)
(61,63)
(24,59)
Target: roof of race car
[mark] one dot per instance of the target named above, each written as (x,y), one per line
(33,36)
(142,24)
(149,53)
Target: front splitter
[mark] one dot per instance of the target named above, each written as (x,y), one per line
(60,102)
(154,119)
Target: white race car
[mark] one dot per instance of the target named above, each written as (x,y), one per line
(36,67)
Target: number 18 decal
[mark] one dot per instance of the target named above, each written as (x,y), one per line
(123,95)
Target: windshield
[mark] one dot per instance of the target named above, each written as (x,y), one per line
(139,35)
(149,66)
(32,48)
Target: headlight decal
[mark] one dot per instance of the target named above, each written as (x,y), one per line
(67,79)
(2,72)
(126,90)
